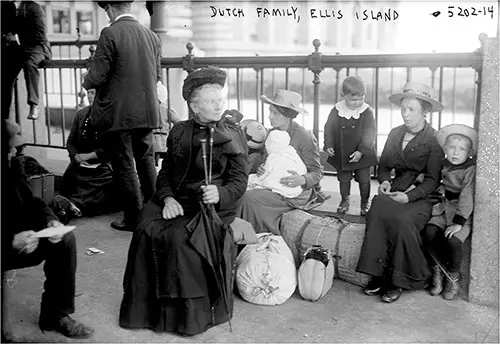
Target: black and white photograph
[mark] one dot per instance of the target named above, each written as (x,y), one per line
(274,171)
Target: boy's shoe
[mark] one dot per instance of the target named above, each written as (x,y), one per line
(343,206)
(65,209)
(34,112)
(365,206)
(452,286)
(392,295)
(437,281)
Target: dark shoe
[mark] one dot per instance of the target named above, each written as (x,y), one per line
(34,112)
(437,281)
(364,208)
(343,206)
(392,295)
(67,327)
(121,226)
(374,287)
(452,286)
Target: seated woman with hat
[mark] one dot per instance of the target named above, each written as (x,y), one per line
(168,285)
(392,248)
(263,207)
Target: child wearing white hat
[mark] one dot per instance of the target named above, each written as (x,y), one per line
(450,224)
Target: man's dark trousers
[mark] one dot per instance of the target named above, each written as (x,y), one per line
(58,298)
(126,147)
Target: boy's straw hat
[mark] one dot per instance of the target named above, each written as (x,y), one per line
(287,99)
(420,91)
(461,129)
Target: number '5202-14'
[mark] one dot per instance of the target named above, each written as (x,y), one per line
(470,11)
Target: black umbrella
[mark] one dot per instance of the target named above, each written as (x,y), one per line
(214,241)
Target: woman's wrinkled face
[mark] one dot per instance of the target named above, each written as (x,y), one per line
(208,103)
(277,119)
(457,149)
(354,102)
(412,113)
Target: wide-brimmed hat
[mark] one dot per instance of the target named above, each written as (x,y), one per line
(460,129)
(287,99)
(200,77)
(103,4)
(420,91)
(13,132)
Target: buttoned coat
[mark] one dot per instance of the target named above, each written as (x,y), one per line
(124,72)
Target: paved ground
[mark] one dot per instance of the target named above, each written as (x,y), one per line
(343,315)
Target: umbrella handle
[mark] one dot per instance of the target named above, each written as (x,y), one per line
(211,144)
(204,157)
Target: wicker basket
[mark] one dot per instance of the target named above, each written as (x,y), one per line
(292,225)
(301,230)
(348,252)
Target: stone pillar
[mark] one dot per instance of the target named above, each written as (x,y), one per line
(159,18)
(484,284)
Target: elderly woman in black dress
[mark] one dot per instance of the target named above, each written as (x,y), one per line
(392,248)
(168,285)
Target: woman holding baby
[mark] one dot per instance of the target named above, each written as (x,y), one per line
(264,207)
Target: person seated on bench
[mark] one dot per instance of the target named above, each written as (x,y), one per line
(168,284)
(392,247)
(23,215)
(263,208)
(87,186)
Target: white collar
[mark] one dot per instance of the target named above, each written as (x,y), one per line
(124,15)
(347,113)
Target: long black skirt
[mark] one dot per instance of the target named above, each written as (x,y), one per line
(392,247)
(91,189)
(168,286)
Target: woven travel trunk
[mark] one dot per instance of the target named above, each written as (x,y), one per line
(301,230)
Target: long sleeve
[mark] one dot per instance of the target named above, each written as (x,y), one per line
(309,153)
(164,181)
(72,142)
(158,63)
(235,181)
(432,173)
(466,198)
(102,62)
(384,170)
(329,130)
(369,133)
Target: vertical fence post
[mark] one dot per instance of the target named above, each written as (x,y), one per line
(315,66)
(187,60)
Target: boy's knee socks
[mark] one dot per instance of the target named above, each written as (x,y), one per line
(364,191)
(345,190)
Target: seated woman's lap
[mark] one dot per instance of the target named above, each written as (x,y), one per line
(263,209)
(412,215)
(177,263)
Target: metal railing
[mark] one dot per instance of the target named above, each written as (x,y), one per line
(317,77)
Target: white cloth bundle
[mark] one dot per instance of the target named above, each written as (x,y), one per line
(265,272)
(281,158)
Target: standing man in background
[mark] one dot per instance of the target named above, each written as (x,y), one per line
(32,32)
(124,72)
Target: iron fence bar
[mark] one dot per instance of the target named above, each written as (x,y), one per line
(433,82)
(337,89)
(478,99)
(286,77)
(44,145)
(262,92)
(376,77)
(391,92)
(257,94)
(454,95)
(440,113)
(62,109)
(76,85)
(47,109)
(408,74)
(238,95)
(16,103)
